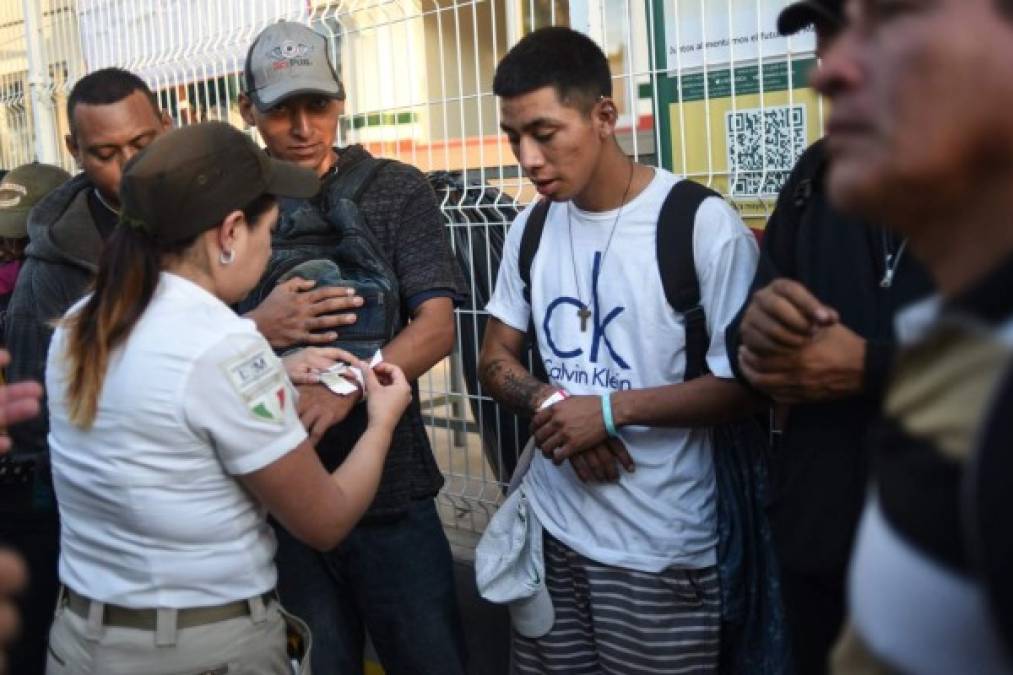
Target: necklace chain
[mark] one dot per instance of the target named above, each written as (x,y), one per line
(608,244)
(98,195)
(891,261)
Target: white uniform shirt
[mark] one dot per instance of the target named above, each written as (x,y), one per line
(152,514)
(663,514)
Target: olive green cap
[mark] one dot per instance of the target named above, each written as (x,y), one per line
(22,189)
(187,180)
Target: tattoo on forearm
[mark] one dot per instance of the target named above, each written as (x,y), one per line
(511,386)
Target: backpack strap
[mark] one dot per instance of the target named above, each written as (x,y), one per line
(678,268)
(368,176)
(530,240)
(352,181)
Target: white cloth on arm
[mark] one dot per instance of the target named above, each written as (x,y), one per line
(663,514)
(152,514)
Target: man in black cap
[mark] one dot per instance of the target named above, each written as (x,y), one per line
(817,339)
(393,575)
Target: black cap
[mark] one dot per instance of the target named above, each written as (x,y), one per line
(190,178)
(798,15)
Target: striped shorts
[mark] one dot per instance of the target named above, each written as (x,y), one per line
(616,620)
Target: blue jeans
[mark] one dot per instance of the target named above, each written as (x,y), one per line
(395,580)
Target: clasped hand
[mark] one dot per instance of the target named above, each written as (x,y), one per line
(573,429)
(795,349)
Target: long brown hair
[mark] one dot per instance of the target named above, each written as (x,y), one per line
(127,278)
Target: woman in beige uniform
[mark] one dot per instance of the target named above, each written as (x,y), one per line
(173,426)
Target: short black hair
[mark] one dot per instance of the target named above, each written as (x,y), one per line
(107,86)
(570,62)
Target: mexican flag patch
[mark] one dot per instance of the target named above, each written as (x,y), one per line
(272,407)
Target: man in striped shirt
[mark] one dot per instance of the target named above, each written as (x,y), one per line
(920,138)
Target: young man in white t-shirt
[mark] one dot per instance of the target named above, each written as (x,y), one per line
(627,503)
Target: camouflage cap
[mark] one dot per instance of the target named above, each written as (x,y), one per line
(21,190)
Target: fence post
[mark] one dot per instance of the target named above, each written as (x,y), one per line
(40,86)
(458,401)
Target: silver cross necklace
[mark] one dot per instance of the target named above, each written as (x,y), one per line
(584,313)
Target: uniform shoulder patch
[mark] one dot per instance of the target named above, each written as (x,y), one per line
(259,379)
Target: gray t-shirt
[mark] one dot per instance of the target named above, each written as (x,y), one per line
(401,209)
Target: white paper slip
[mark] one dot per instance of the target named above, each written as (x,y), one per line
(336,381)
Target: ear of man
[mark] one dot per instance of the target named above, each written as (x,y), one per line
(606,116)
(72,147)
(246,110)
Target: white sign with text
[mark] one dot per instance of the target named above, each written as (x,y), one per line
(722,32)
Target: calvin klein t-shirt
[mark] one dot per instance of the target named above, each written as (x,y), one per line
(663,514)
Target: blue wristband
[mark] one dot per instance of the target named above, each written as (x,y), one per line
(606,415)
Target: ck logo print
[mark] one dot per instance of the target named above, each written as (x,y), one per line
(601,318)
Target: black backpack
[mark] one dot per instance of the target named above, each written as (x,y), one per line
(326,239)
(754,637)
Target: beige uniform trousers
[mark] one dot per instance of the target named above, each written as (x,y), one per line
(247,645)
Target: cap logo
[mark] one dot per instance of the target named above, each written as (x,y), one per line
(289,54)
(10,202)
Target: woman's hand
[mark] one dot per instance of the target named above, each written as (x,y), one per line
(388,394)
(305,365)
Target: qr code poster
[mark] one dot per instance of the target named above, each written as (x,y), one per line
(763,146)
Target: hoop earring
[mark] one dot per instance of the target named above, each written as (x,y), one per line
(226,257)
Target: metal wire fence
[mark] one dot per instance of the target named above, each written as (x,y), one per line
(704,87)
